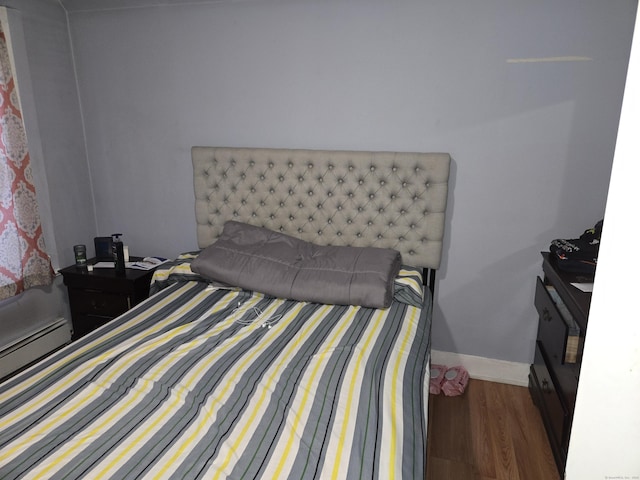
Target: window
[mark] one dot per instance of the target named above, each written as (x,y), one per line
(24,262)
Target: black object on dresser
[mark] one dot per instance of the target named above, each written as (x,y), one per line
(553,379)
(97,296)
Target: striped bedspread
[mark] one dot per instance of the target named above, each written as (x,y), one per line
(212,383)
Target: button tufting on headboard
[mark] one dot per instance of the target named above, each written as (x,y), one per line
(381,199)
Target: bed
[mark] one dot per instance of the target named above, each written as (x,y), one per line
(292,343)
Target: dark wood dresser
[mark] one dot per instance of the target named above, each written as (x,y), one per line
(553,379)
(97,296)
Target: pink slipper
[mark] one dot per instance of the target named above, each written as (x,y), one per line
(436,377)
(455,381)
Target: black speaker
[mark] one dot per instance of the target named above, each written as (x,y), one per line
(103,249)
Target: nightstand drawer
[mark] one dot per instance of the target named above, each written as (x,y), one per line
(557,416)
(552,329)
(88,302)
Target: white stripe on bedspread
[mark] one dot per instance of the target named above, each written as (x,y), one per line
(191,385)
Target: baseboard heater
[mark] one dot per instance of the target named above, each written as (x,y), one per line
(33,346)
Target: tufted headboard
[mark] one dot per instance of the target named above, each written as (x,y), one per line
(380,199)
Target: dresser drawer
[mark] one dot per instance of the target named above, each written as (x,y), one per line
(556,414)
(552,330)
(554,375)
(88,302)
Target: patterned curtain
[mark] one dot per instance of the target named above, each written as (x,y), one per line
(23,260)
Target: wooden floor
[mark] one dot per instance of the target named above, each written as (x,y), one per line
(492,432)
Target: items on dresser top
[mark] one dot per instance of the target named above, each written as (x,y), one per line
(104,249)
(80,254)
(563,311)
(578,255)
(146,263)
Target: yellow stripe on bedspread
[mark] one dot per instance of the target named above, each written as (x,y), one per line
(213,383)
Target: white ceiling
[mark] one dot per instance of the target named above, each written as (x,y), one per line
(95,5)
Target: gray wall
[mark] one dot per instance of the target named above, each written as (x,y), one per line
(532,142)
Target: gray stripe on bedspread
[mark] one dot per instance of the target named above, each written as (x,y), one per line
(110,396)
(364,462)
(161,391)
(226,414)
(272,423)
(69,364)
(262,443)
(415,375)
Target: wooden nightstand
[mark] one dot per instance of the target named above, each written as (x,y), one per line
(553,379)
(100,295)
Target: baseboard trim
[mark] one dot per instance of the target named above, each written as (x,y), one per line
(512,373)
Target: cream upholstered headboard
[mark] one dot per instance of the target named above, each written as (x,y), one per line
(379,199)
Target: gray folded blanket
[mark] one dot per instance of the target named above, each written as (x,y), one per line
(282,266)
